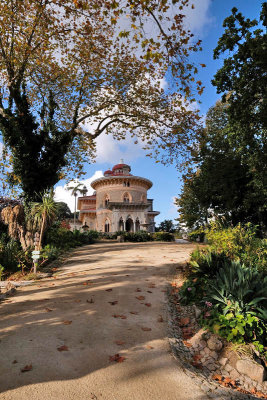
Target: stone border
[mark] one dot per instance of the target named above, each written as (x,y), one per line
(198,354)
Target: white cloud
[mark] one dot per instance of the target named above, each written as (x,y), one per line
(62,194)
(111,151)
(198,18)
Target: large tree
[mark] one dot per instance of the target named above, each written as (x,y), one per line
(243,82)
(221,184)
(73,69)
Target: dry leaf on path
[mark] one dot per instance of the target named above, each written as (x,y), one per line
(138,290)
(151,285)
(26,368)
(117,358)
(67,322)
(113,302)
(119,342)
(77,301)
(149,347)
(63,348)
(146,329)
(108,290)
(140,297)
(160,318)
(14,362)
(48,309)
(148,304)
(134,312)
(149,291)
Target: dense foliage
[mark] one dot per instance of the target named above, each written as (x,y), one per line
(233,189)
(228,280)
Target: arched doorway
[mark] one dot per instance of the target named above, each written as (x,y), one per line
(129,225)
(107,226)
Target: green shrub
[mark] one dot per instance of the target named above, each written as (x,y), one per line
(163,236)
(62,238)
(9,254)
(197,235)
(1,271)
(206,263)
(50,252)
(141,236)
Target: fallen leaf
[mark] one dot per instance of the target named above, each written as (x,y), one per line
(26,368)
(134,312)
(140,297)
(14,362)
(117,358)
(149,347)
(113,302)
(148,304)
(119,342)
(48,309)
(63,348)
(116,316)
(146,329)
(67,322)
(149,291)
(90,301)
(123,317)
(151,285)
(138,290)
(77,301)
(160,318)
(187,344)
(108,290)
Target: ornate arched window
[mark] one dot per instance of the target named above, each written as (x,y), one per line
(126,198)
(106,200)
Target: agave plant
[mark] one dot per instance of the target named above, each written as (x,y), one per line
(207,263)
(239,289)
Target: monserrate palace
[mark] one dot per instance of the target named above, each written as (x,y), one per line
(119,203)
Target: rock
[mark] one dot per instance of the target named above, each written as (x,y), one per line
(223,361)
(210,366)
(202,344)
(197,311)
(252,369)
(214,355)
(206,335)
(207,350)
(228,367)
(214,343)
(184,321)
(234,374)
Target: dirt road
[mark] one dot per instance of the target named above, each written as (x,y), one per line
(108,298)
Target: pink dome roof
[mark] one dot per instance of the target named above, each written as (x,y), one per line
(119,166)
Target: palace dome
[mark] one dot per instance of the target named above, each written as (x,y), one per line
(108,172)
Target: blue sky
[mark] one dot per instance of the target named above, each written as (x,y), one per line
(206,23)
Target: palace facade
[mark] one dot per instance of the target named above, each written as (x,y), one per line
(119,203)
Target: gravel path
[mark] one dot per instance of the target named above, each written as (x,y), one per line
(107,299)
